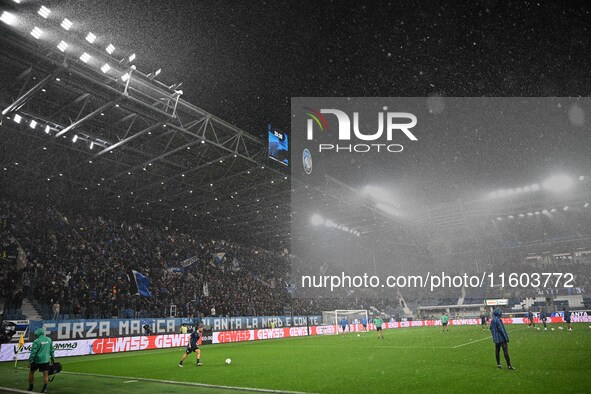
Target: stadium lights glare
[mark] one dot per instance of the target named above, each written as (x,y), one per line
(586,205)
(47,129)
(553,210)
(75,138)
(91,145)
(33,124)
(565,208)
(62,46)
(85,57)
(157,72)
(545,211)
(37,32)
(17,118)
(535,187)
(90,38)
(17,1)
(530,214)
(110,49)
(511,217)
(125,77)
(581,178)
(131,57)
(66,24)
(521,215)
(558,183)
(7,18)
(105,67)
(44,11)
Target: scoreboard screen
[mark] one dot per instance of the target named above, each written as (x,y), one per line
(279,146)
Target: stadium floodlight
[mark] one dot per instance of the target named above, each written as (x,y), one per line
(47,129)
(66,24)
(8,18)
(316,220)
(75,138)
(91,145)
(85,57)
(510,192)
(62,46)
(330,224)
(17,118)
(105,67)
(565,208)
(493,195)
(526,188)
(553,210)
(581,178)
(521,215)
(530,214)
(131,57)
(499,218)
(17,1)
(586,205)
(557,183)
(33,124)
(511,217)
(537,212)
(44,11)
(519,190)
(502,193)
(125,77)
(535,187)
(157,72)
(37,32)
(545,211)
(90,38)
(110,49)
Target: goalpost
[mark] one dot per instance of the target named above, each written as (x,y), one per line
(354,318)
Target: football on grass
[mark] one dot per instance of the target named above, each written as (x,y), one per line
(228,361)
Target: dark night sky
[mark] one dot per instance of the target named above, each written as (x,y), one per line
(244,60)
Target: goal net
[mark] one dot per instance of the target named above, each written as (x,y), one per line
(352,317)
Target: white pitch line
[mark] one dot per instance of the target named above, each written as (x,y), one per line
(173,382)
(130,381)
(481,339)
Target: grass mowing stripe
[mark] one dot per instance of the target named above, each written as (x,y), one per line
(172,382)
(483,339)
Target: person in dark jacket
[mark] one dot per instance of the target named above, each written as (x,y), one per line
(500,338)
(567,315)
(41,354)
(530,317)
(543,318)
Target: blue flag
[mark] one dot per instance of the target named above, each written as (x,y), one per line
(142,283)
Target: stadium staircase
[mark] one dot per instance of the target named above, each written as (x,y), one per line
(29,310)
(462,297)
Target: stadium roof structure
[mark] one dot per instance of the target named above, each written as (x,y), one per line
(96,133)
(85,127)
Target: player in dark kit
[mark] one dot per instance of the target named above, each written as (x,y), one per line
(530,317)
(194,340)
(483,321)
(543,318)
(567,315)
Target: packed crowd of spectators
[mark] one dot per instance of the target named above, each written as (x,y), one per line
(80,266)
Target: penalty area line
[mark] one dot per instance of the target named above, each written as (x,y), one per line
(191,384)
(481,339)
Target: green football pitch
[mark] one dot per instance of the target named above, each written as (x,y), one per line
(407,360)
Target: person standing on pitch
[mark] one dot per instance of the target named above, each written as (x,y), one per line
(500,338)
(343,325)
(194,340)
(445,321)
(41,354)
(543,318)
(530,317)
(483,320)
(567,315)
(378,322)
(364,323)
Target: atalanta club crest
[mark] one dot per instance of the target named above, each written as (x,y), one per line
(307,161)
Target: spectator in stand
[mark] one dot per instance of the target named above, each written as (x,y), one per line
(56,310)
